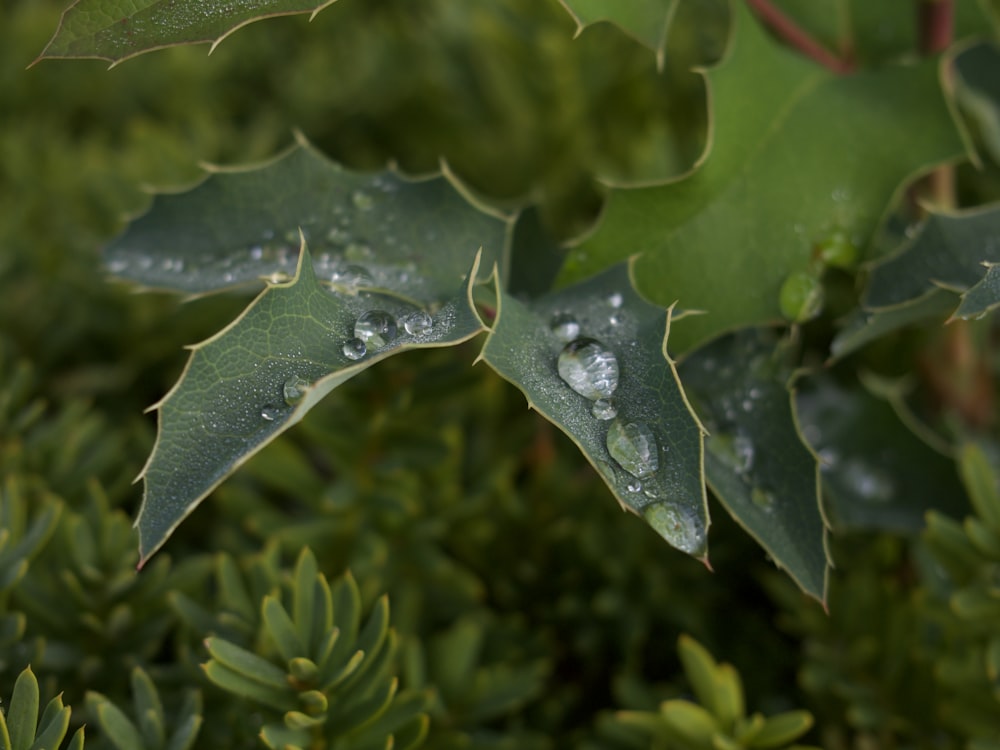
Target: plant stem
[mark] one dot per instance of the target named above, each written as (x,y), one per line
(936,25)
(799,38)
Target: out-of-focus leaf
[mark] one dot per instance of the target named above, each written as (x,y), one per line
(113,31)
(755,460)
(663,446)
(365,231)
(983,297)
(865,326)
(877,474)
(977,92)
(795,154)
(645,20)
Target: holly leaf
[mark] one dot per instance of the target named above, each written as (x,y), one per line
(627,411)
(756,461)
(253,380)
(982,298)
(877,473)
(365,230)
(977,93)
(948,252)
(114,31)
(865,326)
(646,21)
(775,181)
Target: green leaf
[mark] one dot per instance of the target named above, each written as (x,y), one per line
(113,31)
(225,678)
(414,238)
(877,474)
(980,477)
(865,326)
(281,629)
(260,375)
(645,20)
(22,716)
(983,297)
(148,709)
(949,251)
(776,179)
(756,462)
(977,93)
(524,349)
(779,730)
(115,725)
(246,663)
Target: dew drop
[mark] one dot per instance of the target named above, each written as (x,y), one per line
(351,277)
(633,446)
(270,412)
(354,349)
(564,326)
(117,266)
(615,299)
(870,482)
(634,486)
(589,368)
(361,200)
(294,389)
(256,252)
(417,323)
(680,528)
(376,328)
(604,409)
(763,499)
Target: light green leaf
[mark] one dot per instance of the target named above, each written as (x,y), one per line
(775,180)
(414,238)
(655,469)
(117,727)
(260,375)
(114,31)
(21,719)
(877,474)
(948,252)
(983,297)
(645,20)
(756,462)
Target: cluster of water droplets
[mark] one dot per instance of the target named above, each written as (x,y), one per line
(376,329)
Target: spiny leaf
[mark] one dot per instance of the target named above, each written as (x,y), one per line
(756,462)
(877,474)
(775,180)
(414,238)
(645,20)
(983,297)
(261,374)
(113,31)
(866,326)
(977,93)
(950,252)
(654,467)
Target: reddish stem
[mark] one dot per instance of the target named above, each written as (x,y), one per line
(799,38)
(936,25)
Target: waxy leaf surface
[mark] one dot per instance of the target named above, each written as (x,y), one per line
(259,376)
(982,298)
(645,20)
(795,153)
(115,31)
(755,459)
(524,349)
(414,238)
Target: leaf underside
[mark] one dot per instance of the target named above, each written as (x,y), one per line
(114,31)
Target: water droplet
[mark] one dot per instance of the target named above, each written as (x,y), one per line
(604,409)
(588,368)
(294,389)
(633,446)
(376,328)
(256,252)
(564,326)
(679,527)
(361,200)
(870,482)
(270,412)
(351,277)
(117,266)
(634,485)
(354,349)
(763,499)
(417,323)
(615,299)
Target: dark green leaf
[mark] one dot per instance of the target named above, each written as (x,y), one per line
(865,326)
(115,725)
(756,461)
(983,297)
(666,487)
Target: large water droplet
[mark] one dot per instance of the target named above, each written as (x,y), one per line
(351,277)
(633,446)
(294,389)
(376,328)
(604,409)
(417,323)
(564,326)
(589,368)
(270,412)
(354,349)
(680,528)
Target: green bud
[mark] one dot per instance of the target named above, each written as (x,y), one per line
(801,297)
(837,250)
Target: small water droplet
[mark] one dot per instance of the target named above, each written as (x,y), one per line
(376,328)
(870,482)
(354,349)
(615,319)
(604,409)
(417,323)
(634,485)
(117,266)
(564,326)
(351,277)
(270,412)
(633,446)
(615,299)
(589,368)
(763,499)
(294,389)
(679,527)
(361,200)
(256,252)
